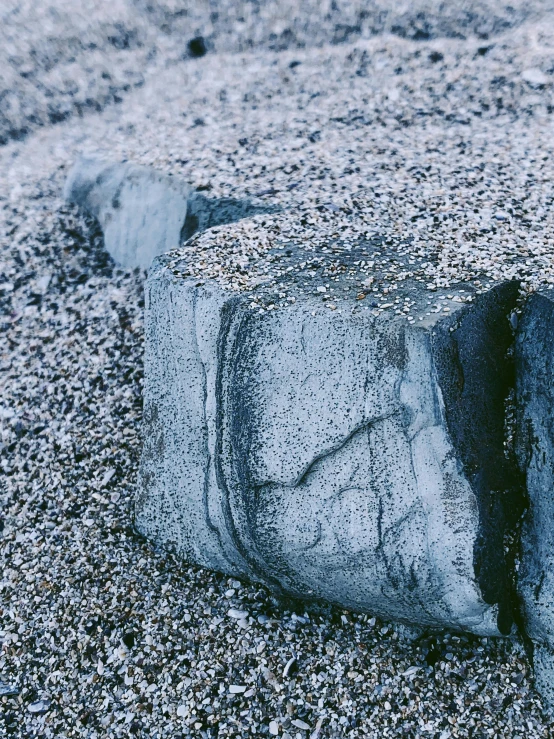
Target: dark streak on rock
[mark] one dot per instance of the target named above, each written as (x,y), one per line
(233,429)
(476,375)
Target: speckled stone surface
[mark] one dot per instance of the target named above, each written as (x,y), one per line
(338,455)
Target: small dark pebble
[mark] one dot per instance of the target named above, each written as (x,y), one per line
(197,47)
(432,657)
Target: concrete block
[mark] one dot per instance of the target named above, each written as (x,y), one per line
(141,211)
(535,449)
(344,456)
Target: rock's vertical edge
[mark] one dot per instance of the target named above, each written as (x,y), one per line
(176,469)
(446,495)
(535,454)
(476,375)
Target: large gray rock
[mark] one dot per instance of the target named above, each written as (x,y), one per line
(142,212)
(337,455)
(535,444)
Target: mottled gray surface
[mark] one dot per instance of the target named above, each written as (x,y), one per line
(141,211)
(535,397)
(325,454)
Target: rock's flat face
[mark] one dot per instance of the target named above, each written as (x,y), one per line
(535,396)
(141,211)
(337,455)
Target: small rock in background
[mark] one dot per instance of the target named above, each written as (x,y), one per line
(141,211)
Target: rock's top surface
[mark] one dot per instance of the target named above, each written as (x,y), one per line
(364,276)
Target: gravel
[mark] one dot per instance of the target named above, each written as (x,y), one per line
(58,60)
(439,149)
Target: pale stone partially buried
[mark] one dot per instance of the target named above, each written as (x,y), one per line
(348,456)
(141,211)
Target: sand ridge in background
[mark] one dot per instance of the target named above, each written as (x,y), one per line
(59,59)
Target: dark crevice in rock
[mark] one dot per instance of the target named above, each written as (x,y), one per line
(534,444)
(476,374)
(190,226)
(207,456)
(231,469)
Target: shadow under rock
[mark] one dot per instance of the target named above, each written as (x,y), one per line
(204,213)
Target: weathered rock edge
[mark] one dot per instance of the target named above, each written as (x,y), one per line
(141,211)
(345,457)
(535,452)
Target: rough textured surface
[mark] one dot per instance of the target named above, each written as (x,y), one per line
(142,212)
(535,403)
(59,60)
(340,456)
